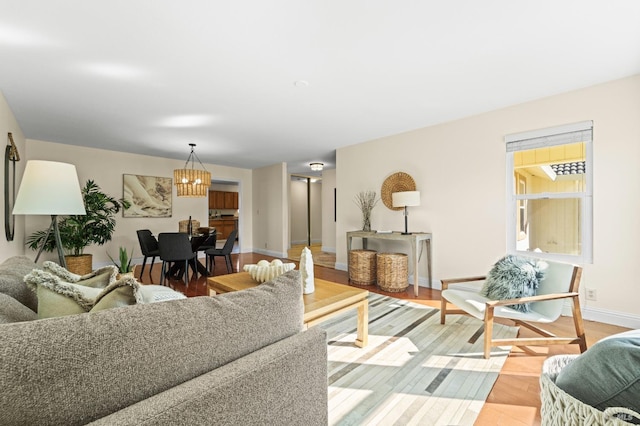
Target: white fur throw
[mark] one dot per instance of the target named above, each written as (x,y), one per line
(513,277)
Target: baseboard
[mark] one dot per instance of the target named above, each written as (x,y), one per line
(305,242)
(271,253)
(610,317)
(328,249)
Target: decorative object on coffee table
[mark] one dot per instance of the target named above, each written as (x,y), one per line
(306,269)
(397,182)
(366,200)
(265,271)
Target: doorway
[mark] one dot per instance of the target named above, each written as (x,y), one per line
(305,225)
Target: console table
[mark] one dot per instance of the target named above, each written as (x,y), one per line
(415,240)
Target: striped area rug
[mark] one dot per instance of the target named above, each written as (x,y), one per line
(414,370)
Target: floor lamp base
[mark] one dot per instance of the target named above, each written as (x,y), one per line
(56,236)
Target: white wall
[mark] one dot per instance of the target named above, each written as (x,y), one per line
(8,124)
(271,214)
(460,169)
(106,169)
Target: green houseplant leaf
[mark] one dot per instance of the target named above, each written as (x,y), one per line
(79,231)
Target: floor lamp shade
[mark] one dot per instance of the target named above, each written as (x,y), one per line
(49,188)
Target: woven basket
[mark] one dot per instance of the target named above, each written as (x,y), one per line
(183,225)
(81,265)
(362,267)
(560,408)
(397,182)
(393,274)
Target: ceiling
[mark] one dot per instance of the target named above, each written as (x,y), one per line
(255,83)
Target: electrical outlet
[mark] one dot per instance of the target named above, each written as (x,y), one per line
(591,294)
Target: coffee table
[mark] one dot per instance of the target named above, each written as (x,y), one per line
(328,300)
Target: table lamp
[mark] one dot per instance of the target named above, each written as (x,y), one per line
(50,188)
(405,199)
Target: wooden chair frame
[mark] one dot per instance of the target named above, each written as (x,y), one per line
(547,338)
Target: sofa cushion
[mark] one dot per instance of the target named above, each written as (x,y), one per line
(513,277)
(12,272)
(57,297)
(607,374)
(124,292)
(99,278)
(13,311)
(108,360)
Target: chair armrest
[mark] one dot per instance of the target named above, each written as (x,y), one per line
(538,298)
(447,281)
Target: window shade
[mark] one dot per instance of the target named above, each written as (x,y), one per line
(570,133)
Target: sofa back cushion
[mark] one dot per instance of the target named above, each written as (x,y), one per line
(12,272)
(13,311)
(75,369)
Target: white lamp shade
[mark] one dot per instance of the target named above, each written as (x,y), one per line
(49,188)
(405,198)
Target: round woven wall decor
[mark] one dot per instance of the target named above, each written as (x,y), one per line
(397,182)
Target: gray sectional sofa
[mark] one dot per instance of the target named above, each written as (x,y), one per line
(235,359)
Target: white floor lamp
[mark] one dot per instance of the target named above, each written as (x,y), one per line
(50,188)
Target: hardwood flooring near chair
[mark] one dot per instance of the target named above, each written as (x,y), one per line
(515,397)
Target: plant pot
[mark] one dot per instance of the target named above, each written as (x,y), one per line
(81,264)
(126,274)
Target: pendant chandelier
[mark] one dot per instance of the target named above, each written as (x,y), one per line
(192,182)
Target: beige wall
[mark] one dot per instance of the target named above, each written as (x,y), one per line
(460,169)
(106,169)
(271,214)
(8,125)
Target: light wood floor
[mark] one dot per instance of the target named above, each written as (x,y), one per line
(514,399)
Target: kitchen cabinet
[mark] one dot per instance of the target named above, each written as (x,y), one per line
(223,200)
(223,227)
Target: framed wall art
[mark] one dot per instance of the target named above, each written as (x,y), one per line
(150,196)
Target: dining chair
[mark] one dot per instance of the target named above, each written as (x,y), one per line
(176,247)
(561,282)
(224,251)
(148,247)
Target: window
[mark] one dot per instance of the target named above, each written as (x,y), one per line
(549,192)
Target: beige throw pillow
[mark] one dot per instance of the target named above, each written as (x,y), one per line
(99,278)
(57,297)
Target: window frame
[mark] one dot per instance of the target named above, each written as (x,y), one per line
(551,137)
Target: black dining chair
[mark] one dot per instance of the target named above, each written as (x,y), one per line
(224,251)
(209,243)
(148,247)
(176,247)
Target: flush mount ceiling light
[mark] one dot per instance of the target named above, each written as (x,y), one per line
(192,182)
(316,167)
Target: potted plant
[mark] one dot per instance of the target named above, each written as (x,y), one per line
(79,231)
(124,261)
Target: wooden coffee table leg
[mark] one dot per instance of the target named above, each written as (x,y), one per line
(362,338)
